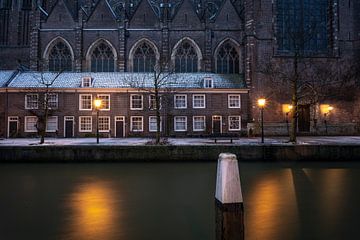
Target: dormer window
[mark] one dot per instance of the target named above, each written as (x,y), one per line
(86,82)
(208,82)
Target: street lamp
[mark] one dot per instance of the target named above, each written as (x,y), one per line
(97,104)
(326,110)
(261,104)
(287,108)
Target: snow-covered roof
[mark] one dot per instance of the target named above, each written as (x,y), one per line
(5,77)
(125,80)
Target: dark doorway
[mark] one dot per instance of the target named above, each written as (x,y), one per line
(119,129)
(216,124)
(304,118)
(69,128)
(13,129)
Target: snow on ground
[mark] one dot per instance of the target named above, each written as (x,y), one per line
(342,140)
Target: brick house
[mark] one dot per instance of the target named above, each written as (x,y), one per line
(220,37)
(197,104)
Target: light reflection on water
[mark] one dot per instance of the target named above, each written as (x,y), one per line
(175,201)
(94,211)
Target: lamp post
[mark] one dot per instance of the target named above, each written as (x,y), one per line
(287,111)
(261,104)
(97,104)
(326,113)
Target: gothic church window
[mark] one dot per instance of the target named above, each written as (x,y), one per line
(186,58)
(227,59)
(144,58)
(102,58)
(60,58)
(302,26)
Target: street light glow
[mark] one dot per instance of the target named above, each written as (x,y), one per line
(261,102)
(97,103)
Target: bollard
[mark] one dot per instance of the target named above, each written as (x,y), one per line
(229,209)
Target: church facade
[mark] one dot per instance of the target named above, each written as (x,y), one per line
(223,37)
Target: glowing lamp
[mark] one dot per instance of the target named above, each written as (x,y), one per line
(97,103)
(261,102)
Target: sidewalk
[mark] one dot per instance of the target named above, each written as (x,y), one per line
(321,140)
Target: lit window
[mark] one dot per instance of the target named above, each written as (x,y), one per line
(199,101)
(30,124)
(136,102)
(234,123)
(86,82)
(85,102)
(152,102)
(208,83)
(52,124)
(105,101)
(52,100)
(104,124)
(85,124)
(31,101)
(153,124)
(234,101)
(136,124)
(180,123)
(199,123)
(180,101)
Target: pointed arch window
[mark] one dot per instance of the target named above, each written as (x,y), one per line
(186,58)
(60,58)
(144,58)
(227,59)
(102,58)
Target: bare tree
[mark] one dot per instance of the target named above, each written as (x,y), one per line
(45,106)
(159,84)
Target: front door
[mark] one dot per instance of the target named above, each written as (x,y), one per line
(304,118)
(216,125)
(119,126)
(13,127)
(69,127)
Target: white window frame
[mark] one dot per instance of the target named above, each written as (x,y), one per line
(99,97)
(80,117)
(26,100)
(199,130)
(154,102)
(180,95)
(56,102)
(86,82)
(26,123)
(238,129)
(57,124)
(155,130)
(80,102)
(142,123)
(104,117)
(197,95)
(175,125)
(208,80)
(239,101)
(131,102)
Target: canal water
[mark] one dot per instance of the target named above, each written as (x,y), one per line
(140,201)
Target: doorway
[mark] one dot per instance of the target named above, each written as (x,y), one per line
(13,127)
(119,126)
(69,126)
(304,118)
(216,124)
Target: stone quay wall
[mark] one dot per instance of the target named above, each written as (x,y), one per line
(90,153)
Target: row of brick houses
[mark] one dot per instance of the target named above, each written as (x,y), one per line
(195,105)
